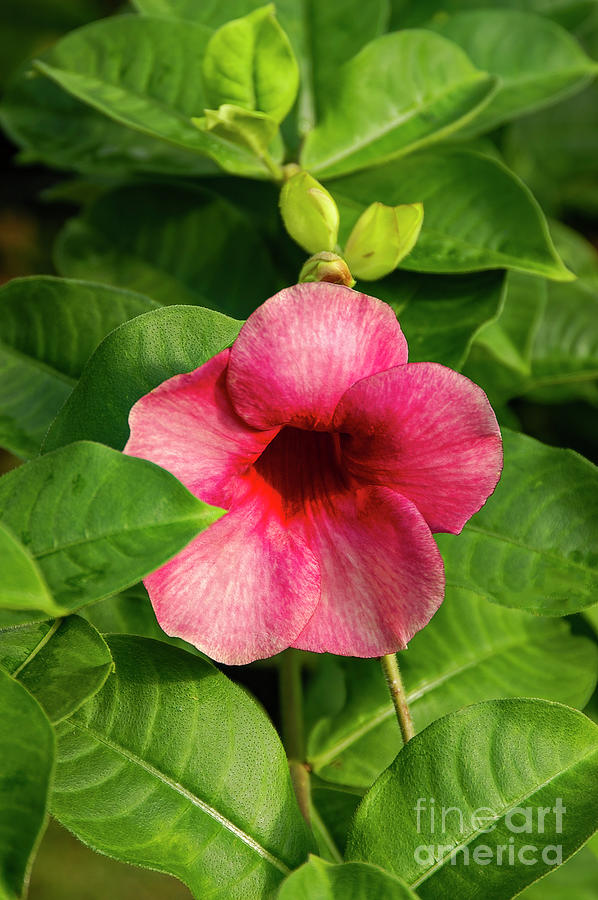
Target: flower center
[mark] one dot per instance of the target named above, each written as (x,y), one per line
(303,467)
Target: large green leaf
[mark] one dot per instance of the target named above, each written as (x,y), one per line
(177,244)
(147,74)
(27,754)
(130,362)
(22,586)
(537,61)
(490,766)
(318,880)
(49,327)
(55,128)
(477,214)
(402,91)
(172,766)
(97,521)
(470,651)
(533,545)
(62,663)
(441,316)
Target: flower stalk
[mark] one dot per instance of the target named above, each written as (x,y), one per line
(392,673)
(291,708)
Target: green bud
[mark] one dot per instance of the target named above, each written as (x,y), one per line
(328,267)
(382,237)
(309,213)
(251,130)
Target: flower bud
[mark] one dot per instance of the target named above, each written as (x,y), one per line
(309,213)
(329,267)
(382,237)
(248,129)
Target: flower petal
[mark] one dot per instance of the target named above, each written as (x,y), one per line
(428,433)
(188,426)
(242,590)
(299,352)
(382,574)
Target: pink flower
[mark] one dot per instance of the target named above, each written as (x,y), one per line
(336,460)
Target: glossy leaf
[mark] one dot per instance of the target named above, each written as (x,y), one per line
(177,244)
(130,362)
(532,546)
(196,784)
(441,316)
(318,880)
(537,61)
(521,754)
(212,12)
(55,128)
(402,91)
(27,752)
(62,663)
(147,74)
(249,63)
(498,225)
(501,653)
(49,327)
(22,586)
(97,521)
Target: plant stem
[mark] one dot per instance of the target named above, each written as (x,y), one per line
(390,667)
(273,168)
(291,708)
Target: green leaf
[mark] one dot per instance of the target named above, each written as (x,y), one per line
(27,752)
(97,521)
(249,63)
(400,92)
(441,316)
(195,783)
(62,663)
(500,653)
(210,12)
(532,546)
(521,755)
(57,129)
(49,327)
(569,13)
(129,363)
(22,586)
(252,130)
(332,810)
(537,61)
(146,74)
(577,878)
(177,244)
(318,880)
(478,214)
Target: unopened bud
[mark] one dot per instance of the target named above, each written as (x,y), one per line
(328,267)
(309,213)
(382,237)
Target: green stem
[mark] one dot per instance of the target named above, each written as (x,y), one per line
(390,667)
(274,169)
(291,708)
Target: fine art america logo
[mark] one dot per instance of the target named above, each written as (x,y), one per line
(510,847)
